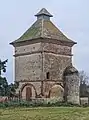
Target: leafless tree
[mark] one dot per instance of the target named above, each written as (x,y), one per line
(84,84)
(84,78)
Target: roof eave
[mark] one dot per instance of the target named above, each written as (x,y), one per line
(71,43)
(14,43)
(44,14)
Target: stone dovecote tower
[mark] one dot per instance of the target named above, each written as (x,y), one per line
(42,54)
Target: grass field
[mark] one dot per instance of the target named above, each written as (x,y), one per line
(44,113)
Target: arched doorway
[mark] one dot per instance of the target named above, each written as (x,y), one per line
(28,92)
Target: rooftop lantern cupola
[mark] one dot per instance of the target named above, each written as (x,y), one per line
(43,14)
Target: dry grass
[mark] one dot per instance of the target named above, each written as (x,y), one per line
(44,113)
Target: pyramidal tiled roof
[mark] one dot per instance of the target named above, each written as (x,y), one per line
(43,28)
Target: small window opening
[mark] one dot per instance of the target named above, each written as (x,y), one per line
(47,75)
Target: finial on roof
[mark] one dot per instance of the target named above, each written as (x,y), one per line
(43,14)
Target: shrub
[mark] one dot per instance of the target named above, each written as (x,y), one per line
(37,103)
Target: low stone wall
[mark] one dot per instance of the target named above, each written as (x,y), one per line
(84,100)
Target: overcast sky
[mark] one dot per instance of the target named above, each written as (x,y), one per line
(70,16)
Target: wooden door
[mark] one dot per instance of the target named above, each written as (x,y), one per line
(28,93)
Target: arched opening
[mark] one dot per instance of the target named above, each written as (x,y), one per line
(57,91)
(28,92)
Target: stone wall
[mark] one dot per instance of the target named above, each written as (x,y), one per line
(32,62)
(28,49)
(55,59)
(72,85)
(84,100)
(28,61)
(28,67)
(56,48)
(47,85)
(55,65)
(36,88)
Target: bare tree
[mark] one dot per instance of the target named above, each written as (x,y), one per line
(84,83)
(84,78)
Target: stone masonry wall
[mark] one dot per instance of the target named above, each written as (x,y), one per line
(28,49)
(37,86)
(28,61)
(28,67)
(32,62)
(55,65)
(55,59)
(56,48)
(72,83)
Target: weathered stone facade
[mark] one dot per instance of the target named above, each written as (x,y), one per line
(41,56)
(71,84)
